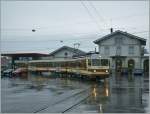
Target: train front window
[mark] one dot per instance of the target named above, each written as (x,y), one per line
(95,62)
(89,62)
(104,62)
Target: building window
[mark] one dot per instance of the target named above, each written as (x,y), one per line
(106,50)
(131,49)
(66,54)
(131,63)
(118,40)
(104,62)
(95,62)
(118,50)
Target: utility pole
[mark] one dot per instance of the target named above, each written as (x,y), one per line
(76,46)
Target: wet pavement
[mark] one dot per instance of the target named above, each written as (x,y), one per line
(116,94)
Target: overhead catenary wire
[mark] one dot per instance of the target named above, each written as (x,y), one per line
(58,40)
(53,48)
(91,16)
(98,13)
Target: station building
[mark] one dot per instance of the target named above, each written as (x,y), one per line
(123,50)
(65,52)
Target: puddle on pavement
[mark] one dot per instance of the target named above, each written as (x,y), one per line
(116,94)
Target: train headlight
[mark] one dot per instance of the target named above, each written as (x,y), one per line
(106,71)
(94,70)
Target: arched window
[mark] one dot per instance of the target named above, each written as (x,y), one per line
(118,64)
(131,63)
(146,65)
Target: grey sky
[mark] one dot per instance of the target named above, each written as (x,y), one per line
(72,22)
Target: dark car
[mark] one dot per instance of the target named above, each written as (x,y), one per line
(7,73)
(124,71)
(138,72)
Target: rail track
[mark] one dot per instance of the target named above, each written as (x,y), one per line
(65,104)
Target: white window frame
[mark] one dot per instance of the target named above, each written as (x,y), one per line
(118,50)
(131,50)
(106,50)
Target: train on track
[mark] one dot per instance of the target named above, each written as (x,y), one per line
(93,68)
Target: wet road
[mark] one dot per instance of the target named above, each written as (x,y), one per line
(44,95)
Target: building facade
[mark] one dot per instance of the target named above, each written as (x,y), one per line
(65,52)
(124,50)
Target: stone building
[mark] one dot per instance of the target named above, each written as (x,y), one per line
(122,49)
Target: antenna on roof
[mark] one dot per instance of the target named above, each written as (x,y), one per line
(76,45)
(111,30)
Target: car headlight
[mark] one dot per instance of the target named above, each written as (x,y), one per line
(94,70)
(106,71)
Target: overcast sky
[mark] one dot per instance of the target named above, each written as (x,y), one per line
(59,23)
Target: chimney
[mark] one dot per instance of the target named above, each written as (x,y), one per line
(111,30)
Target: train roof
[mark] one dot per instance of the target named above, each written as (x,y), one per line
(56,60)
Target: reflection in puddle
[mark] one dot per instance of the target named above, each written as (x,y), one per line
(116,94)
(107,93)
(94,92)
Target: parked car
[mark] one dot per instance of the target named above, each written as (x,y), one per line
(19,71)
(7,73)
(138,72)
(124,71)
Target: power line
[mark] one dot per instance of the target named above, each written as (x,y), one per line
(58,40)
(51,40)
(140,32)
(97,12)
(90,15)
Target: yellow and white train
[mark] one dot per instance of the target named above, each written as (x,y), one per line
(92,68)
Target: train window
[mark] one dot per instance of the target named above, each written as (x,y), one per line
(63,64)
(104,62)
(74,64)
(95,62)
(89,62)
(50,64)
